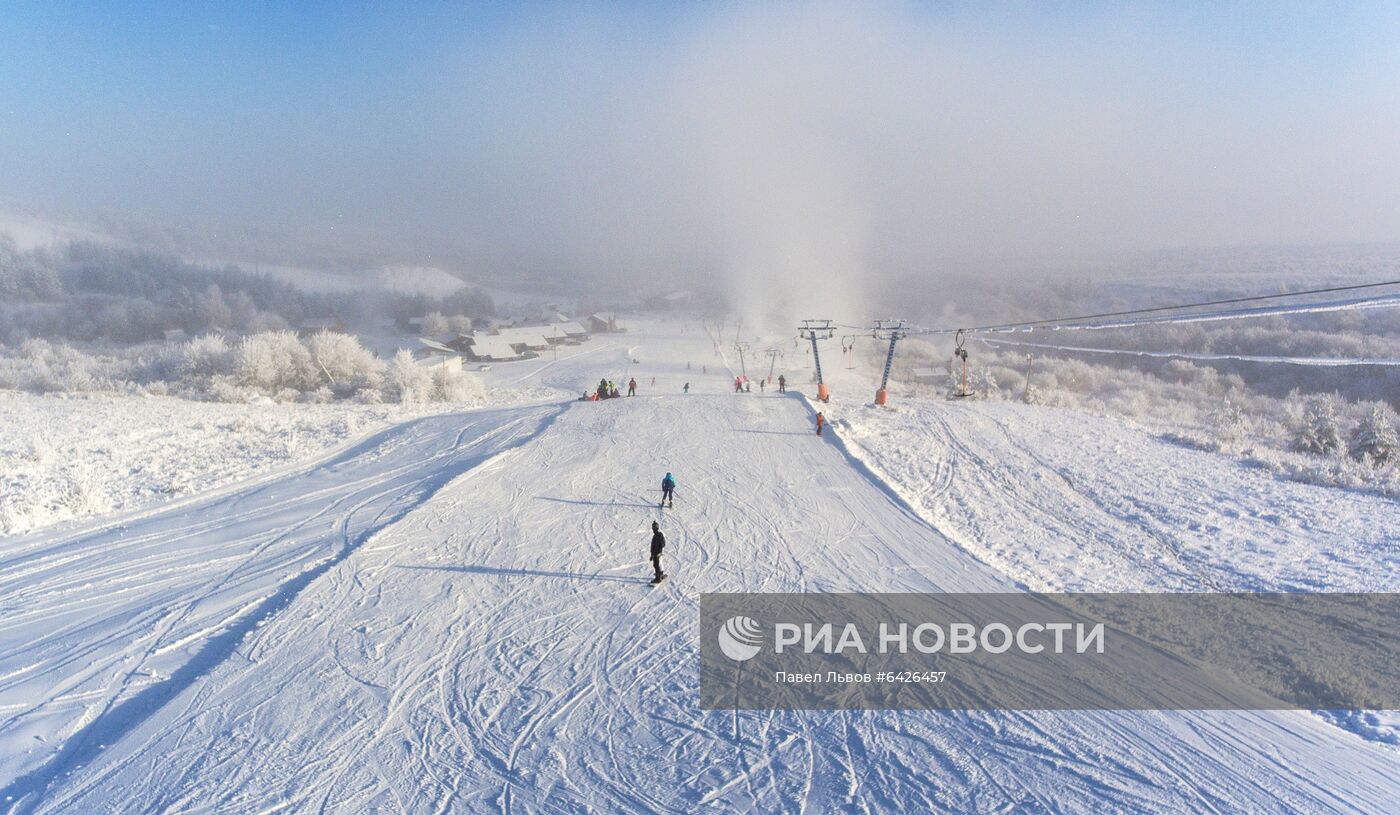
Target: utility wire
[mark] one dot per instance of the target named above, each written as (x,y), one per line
(1070,321)
(1331,362)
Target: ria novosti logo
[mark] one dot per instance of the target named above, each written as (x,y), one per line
(740,638)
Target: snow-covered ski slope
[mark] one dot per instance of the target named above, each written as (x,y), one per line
(1062,501)
(453,616)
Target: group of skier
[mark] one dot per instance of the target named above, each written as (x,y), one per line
(607,390)
(742,384)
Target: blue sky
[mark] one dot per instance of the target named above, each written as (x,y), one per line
(504,128)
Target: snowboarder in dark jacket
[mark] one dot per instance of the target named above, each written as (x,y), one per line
(658,542)
(668,487)
(782,384)
(632,388)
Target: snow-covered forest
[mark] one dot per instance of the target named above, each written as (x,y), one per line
(95,293)
(88,318)
(270,365)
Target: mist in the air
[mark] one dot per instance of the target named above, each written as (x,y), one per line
(795,157)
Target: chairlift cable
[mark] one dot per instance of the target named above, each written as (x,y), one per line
(1155,309)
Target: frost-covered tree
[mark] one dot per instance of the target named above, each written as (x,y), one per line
(45,367)
(210,312)
(205,357)
(434,324)
(276,360)
(407,382)
(347,366)
(984,382)
(1178,370)
(320,396)
(26,275)
(243,313)
(1319,430)
(452,385)
(1229,423)
(1375,438)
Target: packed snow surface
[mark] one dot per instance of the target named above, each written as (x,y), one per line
(453,615)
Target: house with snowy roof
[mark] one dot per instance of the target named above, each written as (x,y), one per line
(492,348)
(603,323)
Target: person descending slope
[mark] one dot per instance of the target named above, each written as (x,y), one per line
(632,387)
(668,488)
(658,542)
(686,389)
(821,420)
(782,384)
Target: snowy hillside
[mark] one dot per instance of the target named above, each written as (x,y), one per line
(65,459)
(1062,501)
(453,616)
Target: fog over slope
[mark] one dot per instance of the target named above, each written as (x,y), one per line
(794,154)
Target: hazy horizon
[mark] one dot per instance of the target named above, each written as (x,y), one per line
(794,152)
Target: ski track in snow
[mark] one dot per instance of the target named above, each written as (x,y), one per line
(454,616)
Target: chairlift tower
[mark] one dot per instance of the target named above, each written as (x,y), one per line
(741,347)
(894,331)
(772,353)
(818,330)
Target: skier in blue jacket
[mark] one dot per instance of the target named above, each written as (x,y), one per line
(668,486)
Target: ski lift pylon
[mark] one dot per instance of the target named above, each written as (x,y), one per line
(961,353)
